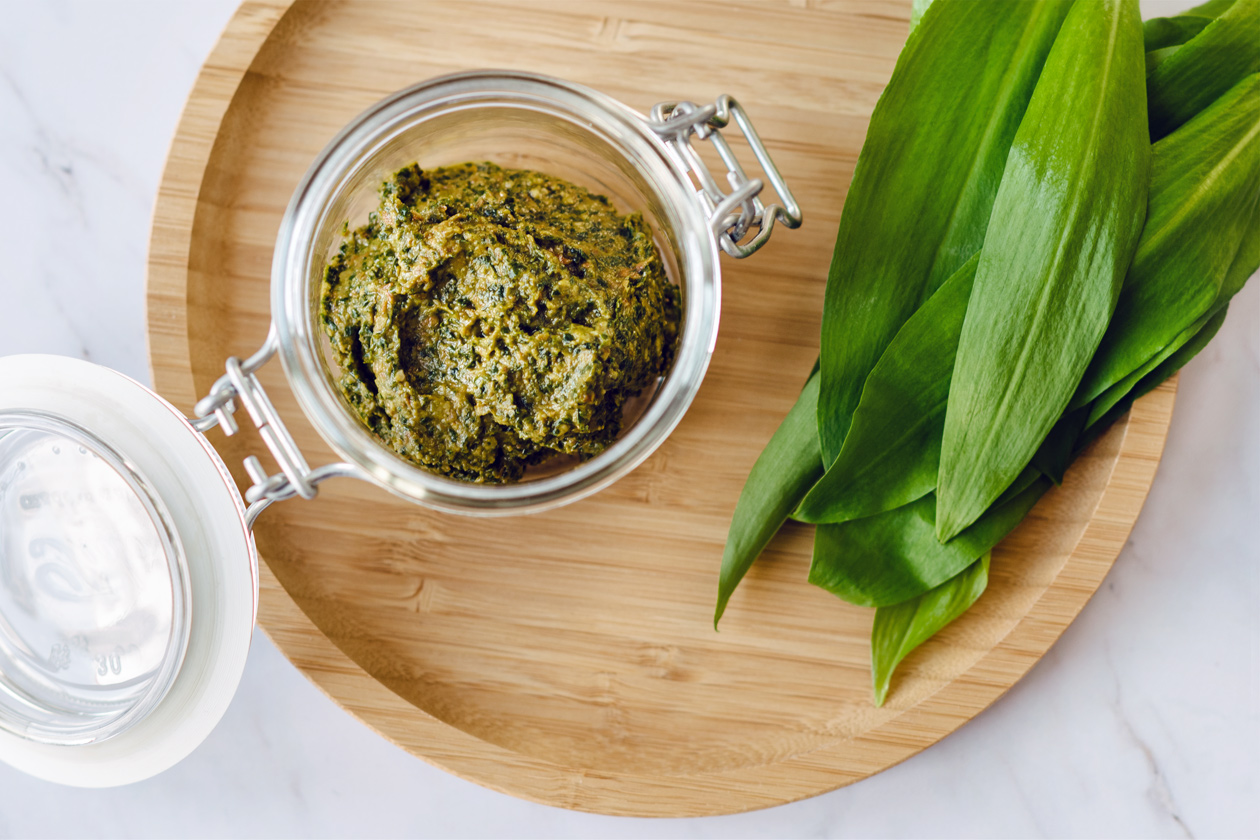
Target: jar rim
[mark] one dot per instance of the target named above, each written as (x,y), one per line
(298,335)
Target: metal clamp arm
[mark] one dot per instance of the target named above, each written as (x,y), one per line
(732,215)
(296,478)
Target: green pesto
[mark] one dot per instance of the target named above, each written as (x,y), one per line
(485,319)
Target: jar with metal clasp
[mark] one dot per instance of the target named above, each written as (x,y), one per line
(128,572)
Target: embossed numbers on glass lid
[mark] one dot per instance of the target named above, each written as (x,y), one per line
(128,573)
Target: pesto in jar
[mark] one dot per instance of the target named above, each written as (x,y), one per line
(486,319)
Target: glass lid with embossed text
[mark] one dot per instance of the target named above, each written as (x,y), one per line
(93,585)
(128,576)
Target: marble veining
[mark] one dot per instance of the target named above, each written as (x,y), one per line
(1144,720)
(1158,791)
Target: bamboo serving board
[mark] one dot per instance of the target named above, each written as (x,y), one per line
(570,657)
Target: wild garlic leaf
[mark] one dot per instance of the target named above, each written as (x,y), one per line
(1246,261)
(1064,226)
(1210,9)
(1164,32)
(900,628)
(1205,177)
(1154,58)
(917,9)
(1120,397)
(1116,393)
(924,183)
(1056,452)
(892,452)
(1186,344)
(893,556)
(1150,381)
(1177,360)
(783,473)
(1206,66)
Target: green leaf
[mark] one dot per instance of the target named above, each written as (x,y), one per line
(892,452)
(1055,454)
(1178,360)
(900,628)
(1210,9)
(1204,180)
(1162,33)
(1154,58)
(1152,380)
(1187,345)
(1113,395)
(924,183)
(1191,340)
(1246,261)
(1065,222)
(893,556)
(784,472)
(917,9)
(1205,67)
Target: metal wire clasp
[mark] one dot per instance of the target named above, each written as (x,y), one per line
(296,478)
(731,215)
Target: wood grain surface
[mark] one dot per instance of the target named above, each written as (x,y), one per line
(569,657)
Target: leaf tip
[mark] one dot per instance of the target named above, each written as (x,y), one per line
(947,524)
(723,597)
(879,689)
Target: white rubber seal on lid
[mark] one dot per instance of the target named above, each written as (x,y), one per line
(222,565)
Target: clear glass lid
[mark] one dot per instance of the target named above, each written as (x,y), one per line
(128,576)
(94,601)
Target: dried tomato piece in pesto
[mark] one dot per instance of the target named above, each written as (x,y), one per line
(487,318)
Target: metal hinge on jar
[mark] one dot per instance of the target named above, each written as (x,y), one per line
(296,478)
(734,215)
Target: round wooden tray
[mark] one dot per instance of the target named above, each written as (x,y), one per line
(569,658)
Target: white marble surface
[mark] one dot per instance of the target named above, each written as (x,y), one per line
(1142,721)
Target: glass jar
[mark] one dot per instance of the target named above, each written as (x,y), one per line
(517,120)
(115,663)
